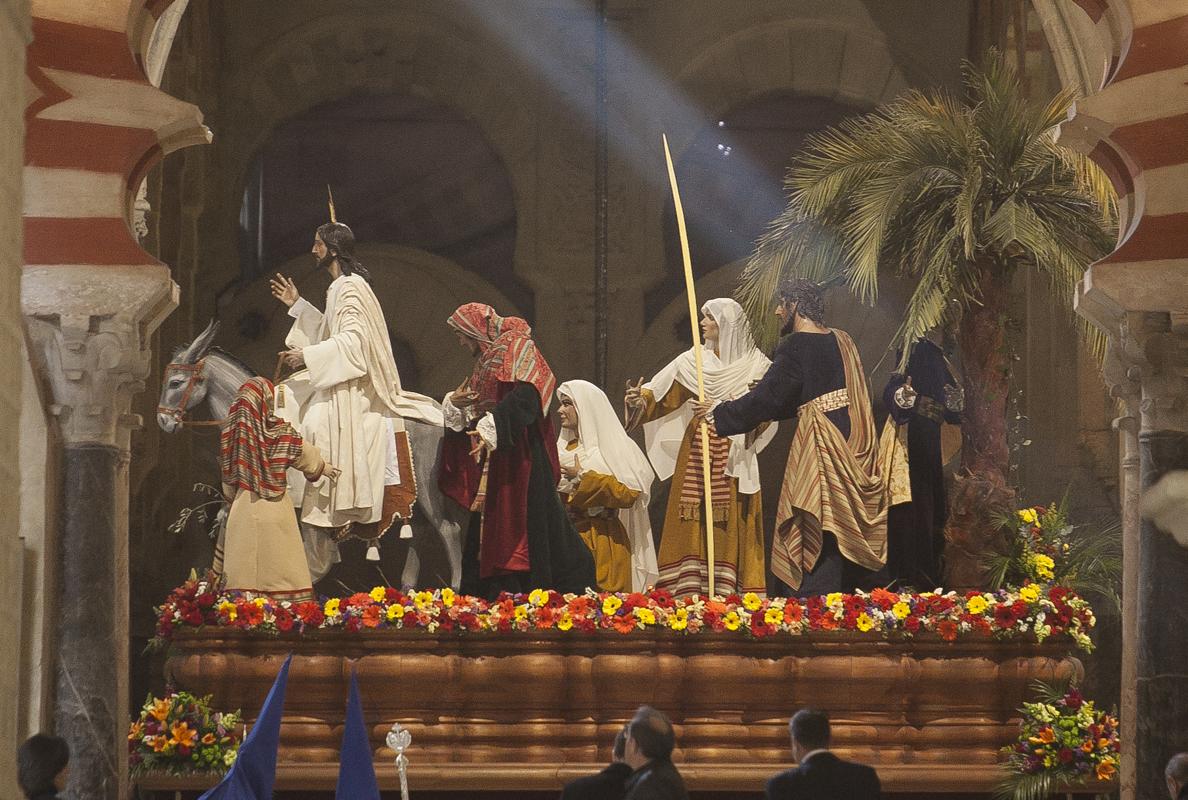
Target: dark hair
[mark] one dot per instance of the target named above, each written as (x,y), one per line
(39,760)
(1177,768)
(652,733)
(620,745)
(810,303)
(810,728)
(340,243)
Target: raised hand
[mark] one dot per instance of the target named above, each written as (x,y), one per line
(284,289)
(572,471)
(634,393)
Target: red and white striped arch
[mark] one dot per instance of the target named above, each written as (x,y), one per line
(94,127)
(1136,128)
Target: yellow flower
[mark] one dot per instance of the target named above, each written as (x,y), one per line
(901,610)
(646,616)
(160,710)
(447,597)
(1029,516)
(611,604)
(423,599)
(864,622)
(976,604)
(521,613)
(1043,566)
(566,621)
(395,612)
(833,599)
(331,607)
(679,620)
(751,601)
(227,609)
(260,602)
(378,594)
(538,597)
(1029,593)
(732,620)
(774,616)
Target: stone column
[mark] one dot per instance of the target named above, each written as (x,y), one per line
(93,364)
(1148,364)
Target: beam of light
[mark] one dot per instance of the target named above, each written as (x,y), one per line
(558,47)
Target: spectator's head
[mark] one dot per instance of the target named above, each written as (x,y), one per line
(810,731)
(803,297)
(649,738)
(1176,774)
(41,764)
(618,750)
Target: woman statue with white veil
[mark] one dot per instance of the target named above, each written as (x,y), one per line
(664,405)
(606,482)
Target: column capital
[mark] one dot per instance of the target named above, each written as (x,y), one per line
(89,330)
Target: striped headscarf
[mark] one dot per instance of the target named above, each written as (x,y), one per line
(255,447)
(507,353)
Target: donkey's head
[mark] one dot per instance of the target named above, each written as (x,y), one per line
(183,386)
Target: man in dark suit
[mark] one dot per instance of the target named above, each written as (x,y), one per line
(650,742)
(820,775)
(610,784)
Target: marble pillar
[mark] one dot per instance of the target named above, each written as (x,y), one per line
(91,636)
(1161,696)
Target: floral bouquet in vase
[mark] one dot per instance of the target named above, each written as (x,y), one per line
(1064,741)
(179,733)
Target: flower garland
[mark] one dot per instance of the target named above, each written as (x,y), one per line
(1064,740)
(1033,612)
(179,733)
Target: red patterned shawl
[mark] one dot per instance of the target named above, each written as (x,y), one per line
(255,447)
(507,353)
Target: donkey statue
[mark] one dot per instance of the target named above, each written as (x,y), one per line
(199,373)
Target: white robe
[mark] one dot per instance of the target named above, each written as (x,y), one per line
(356,404)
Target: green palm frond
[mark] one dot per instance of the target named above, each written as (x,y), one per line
(941,190)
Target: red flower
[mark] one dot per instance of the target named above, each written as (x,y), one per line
(792,611)
(662,598)
(1004,616)
(883,598)
(1058,593)
(759,628)
(912,624)
(310,613)
(392,595)
(1065,755)
(947,629)
(205,600)
(371,617)
(1073,700)
(250,613)
(284,620)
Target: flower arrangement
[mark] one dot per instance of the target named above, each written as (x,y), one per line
(1031,613)
(1044,547)
(1064,740)
(179,733)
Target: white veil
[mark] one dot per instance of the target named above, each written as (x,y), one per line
(605,447)
(728,376)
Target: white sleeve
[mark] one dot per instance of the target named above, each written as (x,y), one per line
(486,431)
(455,418)
(307,323)
(902,400)
(340,358)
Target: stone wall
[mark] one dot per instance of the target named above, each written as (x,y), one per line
(14,35)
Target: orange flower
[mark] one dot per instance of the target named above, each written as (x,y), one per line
(579,606)
(1106,770)
(884,599)
(625,624)
(716,606)
(183,736)
(1047,736)
(160,709)
(371,617)
(209,739)
(947,629)
(135,732)
(828,622)
(159,743)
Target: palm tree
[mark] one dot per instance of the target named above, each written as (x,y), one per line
(957,194)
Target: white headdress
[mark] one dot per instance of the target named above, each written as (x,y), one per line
(604,447)
(728,375)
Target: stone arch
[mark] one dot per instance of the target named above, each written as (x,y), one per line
(847,60)
(420,53)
